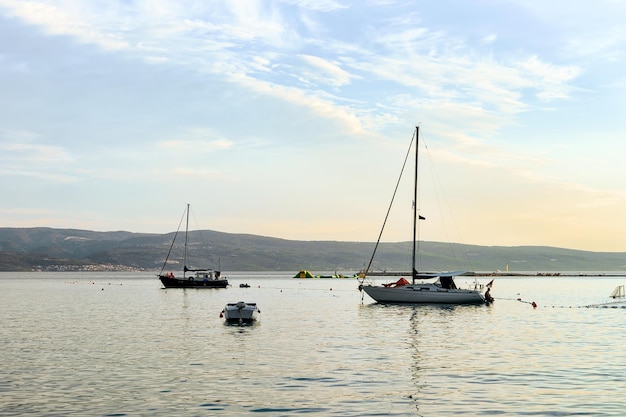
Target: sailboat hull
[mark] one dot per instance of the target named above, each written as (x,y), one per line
(191,282)
(422,294)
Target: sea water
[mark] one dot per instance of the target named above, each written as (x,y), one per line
(113,344)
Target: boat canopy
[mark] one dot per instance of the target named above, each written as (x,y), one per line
(447,282)
(196,270)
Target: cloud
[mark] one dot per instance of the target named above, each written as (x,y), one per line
(321,106)
(407,55)
(59,21)
(326,72)
(551,81)
(489,39)
(18,147)
(318,5)
(41,175)
(196,146)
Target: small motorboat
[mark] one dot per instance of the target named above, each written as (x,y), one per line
(241,313)
(244,285)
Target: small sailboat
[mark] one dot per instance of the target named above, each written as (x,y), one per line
(618,292)
(241,313)
(200,278)
(424,288)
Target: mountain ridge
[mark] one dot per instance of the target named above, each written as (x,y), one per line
(45,248)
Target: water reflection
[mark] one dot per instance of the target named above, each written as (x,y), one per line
(435,338)
(416,356)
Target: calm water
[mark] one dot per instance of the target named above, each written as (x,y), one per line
(119,345)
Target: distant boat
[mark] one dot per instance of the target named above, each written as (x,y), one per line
(442,291)
(200,278)
(242,285)
(336,275)
(241,313)
(303,273)
(618,292)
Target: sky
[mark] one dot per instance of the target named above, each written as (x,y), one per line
(292,118)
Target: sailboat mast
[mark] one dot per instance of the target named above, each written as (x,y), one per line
(413,270)
(185,251)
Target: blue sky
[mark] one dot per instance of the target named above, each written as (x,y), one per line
(291,118)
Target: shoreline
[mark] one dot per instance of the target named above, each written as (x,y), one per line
(510,274)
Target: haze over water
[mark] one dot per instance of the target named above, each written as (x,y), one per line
(120,345)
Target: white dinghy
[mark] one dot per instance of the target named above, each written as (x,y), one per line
(241,313)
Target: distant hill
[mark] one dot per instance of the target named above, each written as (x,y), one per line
(41,248)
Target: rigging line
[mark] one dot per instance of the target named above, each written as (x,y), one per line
(389,208)
(186,240)
(437,185)
(610,304)
(173,241)
(200,232)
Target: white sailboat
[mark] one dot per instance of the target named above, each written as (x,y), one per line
(618,292)
(424,288)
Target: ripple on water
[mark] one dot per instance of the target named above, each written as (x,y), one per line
(134,349)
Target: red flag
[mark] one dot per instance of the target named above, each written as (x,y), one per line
(490,284)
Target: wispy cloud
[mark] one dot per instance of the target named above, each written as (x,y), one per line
(197,146)
(60,21)
(20,146)
(326,72)
(41,175)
